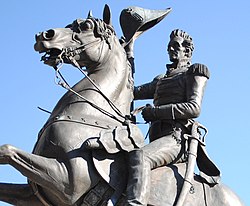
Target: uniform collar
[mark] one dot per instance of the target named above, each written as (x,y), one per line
(173,69)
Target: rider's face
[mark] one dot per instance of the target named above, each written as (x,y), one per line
(176,50)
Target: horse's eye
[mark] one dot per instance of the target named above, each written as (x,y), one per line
(87,25)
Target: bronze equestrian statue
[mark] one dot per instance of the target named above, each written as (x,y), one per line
(61,169)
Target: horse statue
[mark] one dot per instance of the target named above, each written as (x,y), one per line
(60,170)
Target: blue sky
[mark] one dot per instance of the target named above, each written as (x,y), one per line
(220,30)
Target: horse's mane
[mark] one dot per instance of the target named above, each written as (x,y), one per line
(104,31)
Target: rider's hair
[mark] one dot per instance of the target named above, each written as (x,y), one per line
(188,41)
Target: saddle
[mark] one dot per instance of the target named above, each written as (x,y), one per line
(113,169)
(164,180)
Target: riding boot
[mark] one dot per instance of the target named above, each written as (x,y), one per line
(138,179)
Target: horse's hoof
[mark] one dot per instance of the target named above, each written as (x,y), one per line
(6,152)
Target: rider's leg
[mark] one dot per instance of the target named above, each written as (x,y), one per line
(160,152)
(139,179)
(164,151)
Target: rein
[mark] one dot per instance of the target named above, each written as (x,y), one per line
(71,52)
(59,80)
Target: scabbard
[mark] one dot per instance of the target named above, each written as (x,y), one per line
(191,162)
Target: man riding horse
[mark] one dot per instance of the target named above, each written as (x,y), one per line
(96,114)
(177,96)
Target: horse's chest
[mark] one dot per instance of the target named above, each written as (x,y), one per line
(63,136)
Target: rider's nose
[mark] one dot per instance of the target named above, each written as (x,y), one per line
(48,35)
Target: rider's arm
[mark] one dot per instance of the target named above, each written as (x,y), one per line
(146,91)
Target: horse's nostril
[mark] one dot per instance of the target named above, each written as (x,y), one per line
(49,34)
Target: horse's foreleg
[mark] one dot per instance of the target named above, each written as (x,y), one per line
(49,173)
(67,181)
(18,194)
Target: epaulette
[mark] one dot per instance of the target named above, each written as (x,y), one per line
(199,69)
(158,77)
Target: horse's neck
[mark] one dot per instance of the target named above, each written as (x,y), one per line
(113,79)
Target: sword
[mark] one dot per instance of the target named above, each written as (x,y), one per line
(196,138)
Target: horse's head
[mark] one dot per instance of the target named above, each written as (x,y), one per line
(85,40)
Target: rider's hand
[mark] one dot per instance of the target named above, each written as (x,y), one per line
(148,113)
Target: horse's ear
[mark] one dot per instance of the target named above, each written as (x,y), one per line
(107,14)
(90,15)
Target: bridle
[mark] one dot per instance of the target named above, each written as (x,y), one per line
(102,30)
(69,54)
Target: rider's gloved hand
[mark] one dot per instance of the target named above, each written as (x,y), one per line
(148,113)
